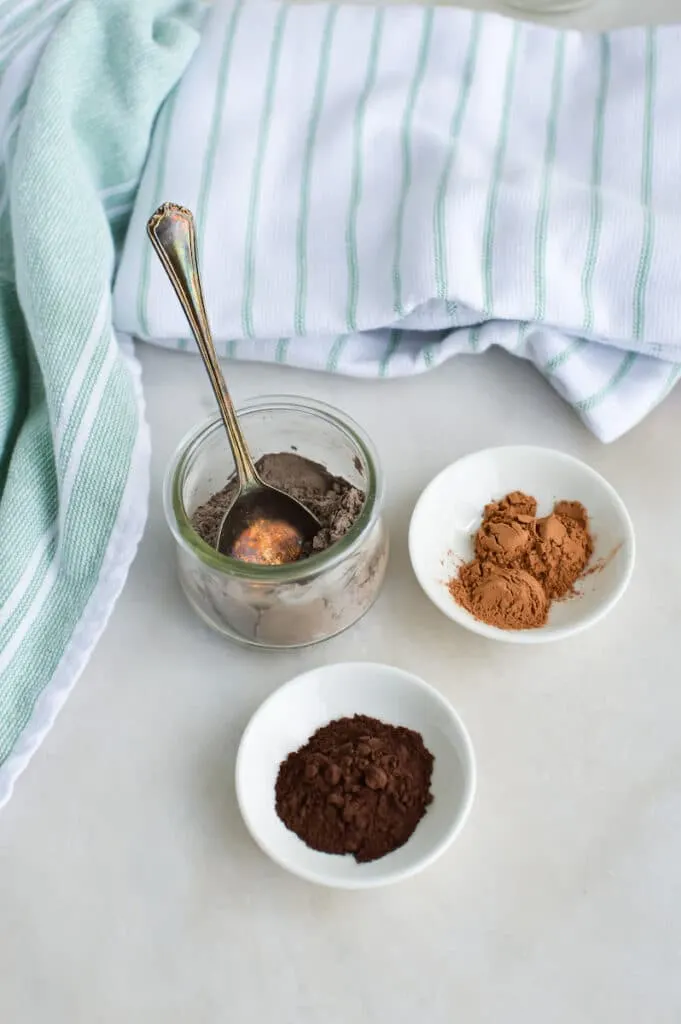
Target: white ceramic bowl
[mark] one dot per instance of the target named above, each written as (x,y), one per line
(287,719)
(448,514)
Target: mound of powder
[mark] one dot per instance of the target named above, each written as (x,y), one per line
(332,499)
(522,562)
(357,786)
(506,597)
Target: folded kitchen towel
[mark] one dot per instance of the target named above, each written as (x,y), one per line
(378,189)
(80,85)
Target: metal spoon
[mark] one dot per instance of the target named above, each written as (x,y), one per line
(262,524)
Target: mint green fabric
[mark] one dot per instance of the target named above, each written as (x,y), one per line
(80,86)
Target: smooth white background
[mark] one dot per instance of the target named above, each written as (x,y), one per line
(130,890)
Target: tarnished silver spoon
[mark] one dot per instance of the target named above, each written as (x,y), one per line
(262,524)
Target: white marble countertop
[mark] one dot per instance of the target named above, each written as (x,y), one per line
(130,890)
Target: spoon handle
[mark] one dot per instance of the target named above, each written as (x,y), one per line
(173,236)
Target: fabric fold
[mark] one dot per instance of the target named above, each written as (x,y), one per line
(76,114)
(378,189)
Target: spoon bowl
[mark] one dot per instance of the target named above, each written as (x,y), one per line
(259,527)
(263,524)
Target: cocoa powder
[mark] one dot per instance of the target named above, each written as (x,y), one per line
(357,786)
(522,562)
(332,499)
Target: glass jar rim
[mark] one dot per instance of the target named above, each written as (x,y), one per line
(179,521)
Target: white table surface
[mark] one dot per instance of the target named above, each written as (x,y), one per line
(130,891)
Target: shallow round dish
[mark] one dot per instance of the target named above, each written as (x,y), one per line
(448,514)
(294,712)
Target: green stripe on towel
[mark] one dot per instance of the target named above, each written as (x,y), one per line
(406,145)
(492,196)
(254,203)
(308,161)
(358,171)
(544,198)
(439,225)
(596,217)
(646,256)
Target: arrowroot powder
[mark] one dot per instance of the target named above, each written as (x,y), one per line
(523,563)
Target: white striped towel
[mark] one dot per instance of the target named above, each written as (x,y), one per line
(379,189)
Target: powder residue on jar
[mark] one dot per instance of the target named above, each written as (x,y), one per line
(333,500)
(522,562)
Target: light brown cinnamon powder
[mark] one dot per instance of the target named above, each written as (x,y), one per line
(522,562)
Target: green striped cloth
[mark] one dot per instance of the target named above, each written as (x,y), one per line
(80,86)
(378,189)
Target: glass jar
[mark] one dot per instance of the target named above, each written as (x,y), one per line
(281,605)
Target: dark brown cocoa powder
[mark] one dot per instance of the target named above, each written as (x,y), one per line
(357,786)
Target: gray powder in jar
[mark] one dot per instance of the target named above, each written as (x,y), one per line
(314,606)
(333,500)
